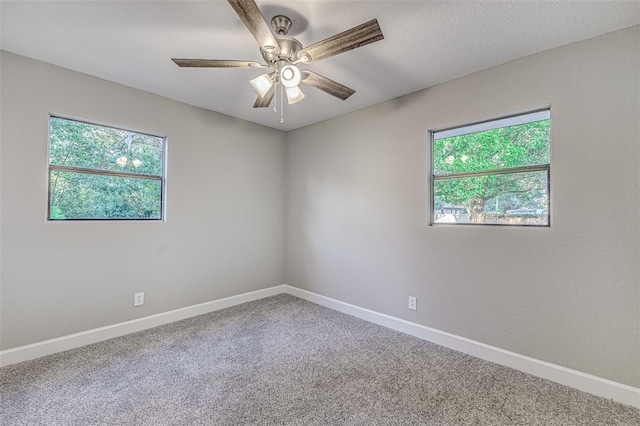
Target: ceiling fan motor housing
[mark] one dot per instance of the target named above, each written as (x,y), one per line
(289,48)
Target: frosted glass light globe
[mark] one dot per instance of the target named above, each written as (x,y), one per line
(290,76)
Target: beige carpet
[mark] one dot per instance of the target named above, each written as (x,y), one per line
(285,361)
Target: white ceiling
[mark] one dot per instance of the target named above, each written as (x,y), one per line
(426,43)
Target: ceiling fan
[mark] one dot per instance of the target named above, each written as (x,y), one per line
(283,53)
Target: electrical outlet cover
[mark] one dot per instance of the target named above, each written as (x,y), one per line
(138,299)
(412,303)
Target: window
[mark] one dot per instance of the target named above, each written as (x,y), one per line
(495,172)
(103,173)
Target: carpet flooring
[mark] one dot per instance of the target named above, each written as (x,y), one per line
(285,361)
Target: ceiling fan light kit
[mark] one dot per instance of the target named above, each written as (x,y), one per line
(263,84)
(294,95)
(290,76)
(282,53)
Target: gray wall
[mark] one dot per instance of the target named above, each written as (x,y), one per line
(225,210)
(357,198)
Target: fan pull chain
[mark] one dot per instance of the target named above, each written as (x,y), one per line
(281,103)
(275,101)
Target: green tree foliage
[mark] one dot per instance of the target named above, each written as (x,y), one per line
(514,146)
(83,195)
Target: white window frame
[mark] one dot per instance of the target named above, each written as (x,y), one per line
(506,121)
(53,167)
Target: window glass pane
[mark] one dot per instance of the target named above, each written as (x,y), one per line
(78,144)
(506,199)
(88,196)
(514,146)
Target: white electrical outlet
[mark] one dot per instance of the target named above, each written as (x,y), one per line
(138,299)
(413,303)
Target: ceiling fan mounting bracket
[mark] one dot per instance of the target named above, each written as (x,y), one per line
(281,24)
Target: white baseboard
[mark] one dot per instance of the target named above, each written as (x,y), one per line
(71,341)
(595,385)
(576,379)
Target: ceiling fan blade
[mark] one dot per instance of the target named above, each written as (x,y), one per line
(359,36)
(265,101)
(215,63)
(249,13)
(326,85)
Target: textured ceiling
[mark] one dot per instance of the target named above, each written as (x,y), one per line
(426,43)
